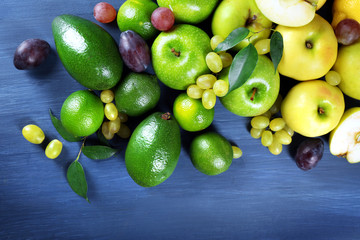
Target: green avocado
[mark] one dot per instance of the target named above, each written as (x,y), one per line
(153,150)
(87,51)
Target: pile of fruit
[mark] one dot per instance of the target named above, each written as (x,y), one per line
(255,45)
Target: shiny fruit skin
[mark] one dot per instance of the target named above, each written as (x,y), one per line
(309,153)
(134,51)
(162,19)
(31,53)
(33,134)
(347,31)
(53,149)
(104,12)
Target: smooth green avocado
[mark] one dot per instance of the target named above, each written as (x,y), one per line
(87,51)
(153,150)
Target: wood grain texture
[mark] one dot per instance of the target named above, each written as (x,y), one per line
(260,197)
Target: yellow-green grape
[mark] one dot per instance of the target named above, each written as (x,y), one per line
(206,81)
(262,46)
(111,111)
(267,114)
(260,122)
(194,91)
(123,117)
(114,125)
(275,148)
(106,131)
(275,108)
(266,138)
(333,78)
(277,124)
(208,99)
(221,88)
(124,131)
(237,153)
(226,59)
(256,133)
(33,134)
(283,137)
(289,130)
(215,40)
(107,96)
(214,62)
(53,149)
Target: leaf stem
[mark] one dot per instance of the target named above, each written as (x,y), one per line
(82,145)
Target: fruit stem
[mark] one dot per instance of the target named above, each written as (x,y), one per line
(253,94)
(166,116)
(177,54)
(321,110)
(357,137)
(308,44)
(82,145)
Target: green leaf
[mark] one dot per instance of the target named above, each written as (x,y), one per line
(99,152)
(236,36)
(276,48)
(77,180)
(62,131)
(242,66)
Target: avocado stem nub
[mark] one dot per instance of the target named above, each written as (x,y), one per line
(177,54)
(166,116)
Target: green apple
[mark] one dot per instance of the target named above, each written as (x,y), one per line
(290,13)
(232,14)
(136,15)
(313,108)
(344,140)
(178,55)
(189,11)
(348,66)
(309,51)
(257,94)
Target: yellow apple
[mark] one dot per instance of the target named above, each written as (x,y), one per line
(348,66)
(320,4)
(344,140)
(313,108)
(309,51)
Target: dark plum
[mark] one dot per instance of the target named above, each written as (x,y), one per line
(31,53)
(347,31)
(309,153)
(134,51)
(162,19)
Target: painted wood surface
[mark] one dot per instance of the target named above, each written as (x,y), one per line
(260,197)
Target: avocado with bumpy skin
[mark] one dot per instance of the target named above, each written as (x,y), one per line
(153,150)
(87,51)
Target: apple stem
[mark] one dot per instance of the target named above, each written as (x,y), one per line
(253,94)
(177,54)
(309,45)
(321,110)
(357,137)
(166,116)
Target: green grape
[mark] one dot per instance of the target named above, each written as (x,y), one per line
(237,153)
(275,108)
(289,130)
(256,133)
(208,99)
(206,81)
(194,91)
(215,40)
(221,88)
(266,138)
(283,137)
(124,131)
(260,122)
(106,131)
(213,61)
(275,148)
(333,78)
(277,124)
(107,96)
(226,59)
(262,46)
(267,114)
(33,134)
(114,125)
(53,149)
(111,111)
(123,117)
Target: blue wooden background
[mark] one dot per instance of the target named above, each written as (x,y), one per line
(261,196)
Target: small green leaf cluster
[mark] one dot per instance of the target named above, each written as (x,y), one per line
(246,59)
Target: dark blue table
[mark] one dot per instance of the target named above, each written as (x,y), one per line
(260,197)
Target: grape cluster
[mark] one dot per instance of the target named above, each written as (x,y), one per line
(271,129)
(208,86)
(115,120)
